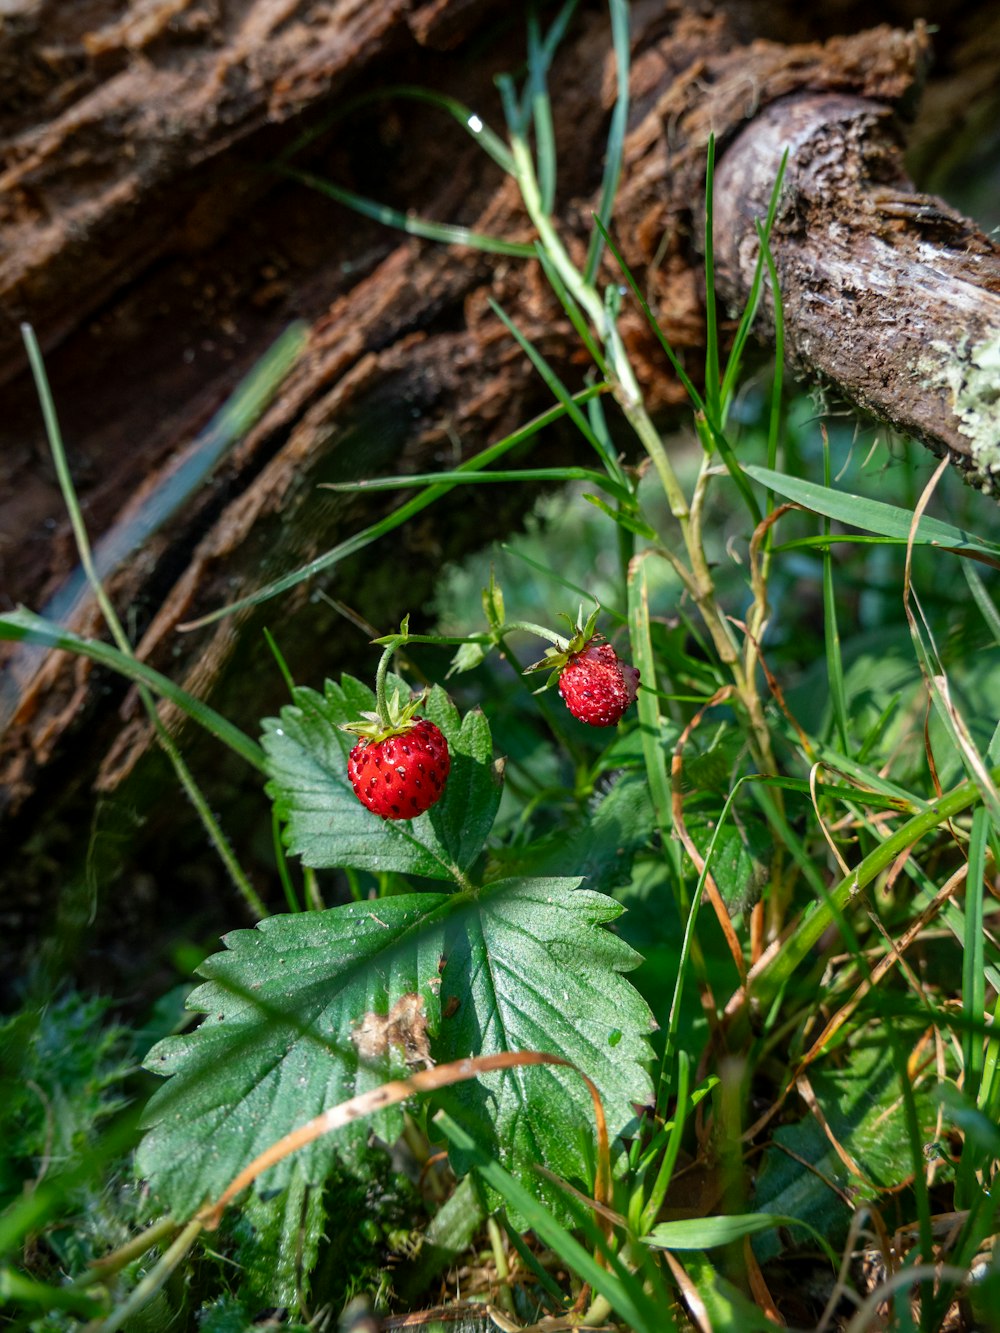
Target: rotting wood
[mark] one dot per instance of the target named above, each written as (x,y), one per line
(157,260)
(889,295)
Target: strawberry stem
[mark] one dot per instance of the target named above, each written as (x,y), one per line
(381,700)
(528,627)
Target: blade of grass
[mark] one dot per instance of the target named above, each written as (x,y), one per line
(446,233)
(875,516)
(973,960)
(392,521)
(609,456)
(707,423)
(616,136)
(23,626)
(473,124)
(777,385)
(665,1173)
(713,394)
(625,518)
(572,308)
(183,773)
(411,481)
(548,573)
(831,632)
(705,1233)
(692,393)
(764,258)
(537,94)
(552,380)
(191,469)
(647,703)
(774,972)
(983,600)
(625,1296)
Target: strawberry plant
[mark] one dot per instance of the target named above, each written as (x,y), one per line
(768,1055)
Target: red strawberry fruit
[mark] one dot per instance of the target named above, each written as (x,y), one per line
(596,686)
(401,774)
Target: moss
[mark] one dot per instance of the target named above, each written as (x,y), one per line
(973,376)
(978,403)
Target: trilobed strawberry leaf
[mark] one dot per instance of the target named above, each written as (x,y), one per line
(326,824)
(523,965)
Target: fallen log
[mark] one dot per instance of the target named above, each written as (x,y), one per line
(152,242)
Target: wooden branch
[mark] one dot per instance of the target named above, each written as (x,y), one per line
(890,296)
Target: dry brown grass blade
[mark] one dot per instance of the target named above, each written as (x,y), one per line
(758,1286)
(692,1297)
(805,1091)
(398,1090)
(845,869)
(882,967)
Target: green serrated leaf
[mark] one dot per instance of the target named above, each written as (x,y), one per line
(532,969)
(462,819)
(275,1046)
(326,824)
(277,1243)
(527,967)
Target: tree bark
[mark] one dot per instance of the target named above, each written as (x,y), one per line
(891,297)
(154,243)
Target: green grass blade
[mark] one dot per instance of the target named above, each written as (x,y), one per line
(982,599)
(797,947)
(831,632)
(194,793)
(696,399)
(22,626)
(777,385)
(973,982)
(191,470)
(459,478)
(399,516)
(576,316)
(627,1297)
(445,233)
(665,1173)
(764,258)
(557,32)
(713,392)
(625,518)
(609,456)
(875,516)
(553,575)
(537,96)
(470,122)
(647,702)
(706,1233)
(616,137)
(716,435)
(552,380)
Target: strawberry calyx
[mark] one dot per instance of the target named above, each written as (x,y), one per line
(394,718)
(564,650)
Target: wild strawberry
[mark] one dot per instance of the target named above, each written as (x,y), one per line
(596,686)
(402,774)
